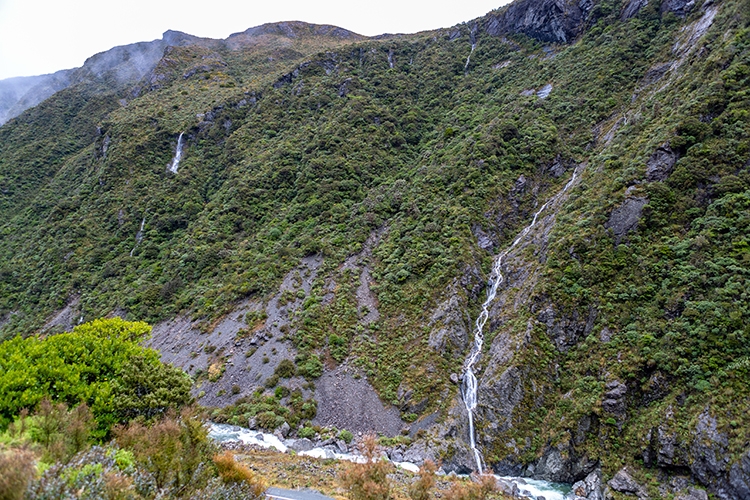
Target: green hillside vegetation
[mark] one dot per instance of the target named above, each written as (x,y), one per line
(101,364)
(334,139)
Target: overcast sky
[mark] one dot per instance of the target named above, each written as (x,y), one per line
(43,36)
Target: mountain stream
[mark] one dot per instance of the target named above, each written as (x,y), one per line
(496,278)
(530,488)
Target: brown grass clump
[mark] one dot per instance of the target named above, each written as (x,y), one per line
(368,480)
(232,471)
(17,469)
(117,486)
(420,489)
(480,488)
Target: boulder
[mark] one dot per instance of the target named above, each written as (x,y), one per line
(302,444)
(589,488)
(624,483)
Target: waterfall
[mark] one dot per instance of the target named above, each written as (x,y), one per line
(468,58)
(138,236)
(496,277)
(175,163)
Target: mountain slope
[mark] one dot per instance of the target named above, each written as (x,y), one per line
(343,210)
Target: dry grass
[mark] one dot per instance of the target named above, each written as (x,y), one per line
(232,471)
(17,468)
(296,472)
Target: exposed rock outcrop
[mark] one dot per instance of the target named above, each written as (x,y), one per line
(660,164)
(625,218)
(566,330)
(551,21)
(623,482)
(448,326)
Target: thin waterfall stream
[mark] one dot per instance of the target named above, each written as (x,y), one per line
(469,392)
(175,163)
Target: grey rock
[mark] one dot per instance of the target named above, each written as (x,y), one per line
(498,398)
(591,486)
(693,494)
(624,218)
(660,164)
(559,167)
(508,488)
(284,429)
(448,328)
(632,8)
(739,476)
(624,483)
(544,92)
(563,464)
(252,423)
(397,455)
(341,445)
(418,453)
(454,378)
(655,73)
(566,330)
(302,444)
(710,457)
(483,239)
(551,21)
(681,8)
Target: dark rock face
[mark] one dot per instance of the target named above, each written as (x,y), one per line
(550,21)
(680,8)
(566,331)
(448,326)
(563,464)
(498,399)
(624,218)
(632,8)
(704,456)
(739,476)
(614,399)
(660,164)
(693,494)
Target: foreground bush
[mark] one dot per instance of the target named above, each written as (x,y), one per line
(368,480)
(100,363)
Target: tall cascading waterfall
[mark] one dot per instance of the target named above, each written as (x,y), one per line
(175,163)
(496,277)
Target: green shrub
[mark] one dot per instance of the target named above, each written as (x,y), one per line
(346,436)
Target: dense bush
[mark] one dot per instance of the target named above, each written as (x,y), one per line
(100,363)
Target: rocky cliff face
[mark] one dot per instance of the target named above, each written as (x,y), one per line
(549,21)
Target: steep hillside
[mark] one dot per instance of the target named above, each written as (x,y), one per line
(339,203)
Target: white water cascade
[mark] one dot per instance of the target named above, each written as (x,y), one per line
(496,277)
(139,236)
(468,58)
(175,163)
